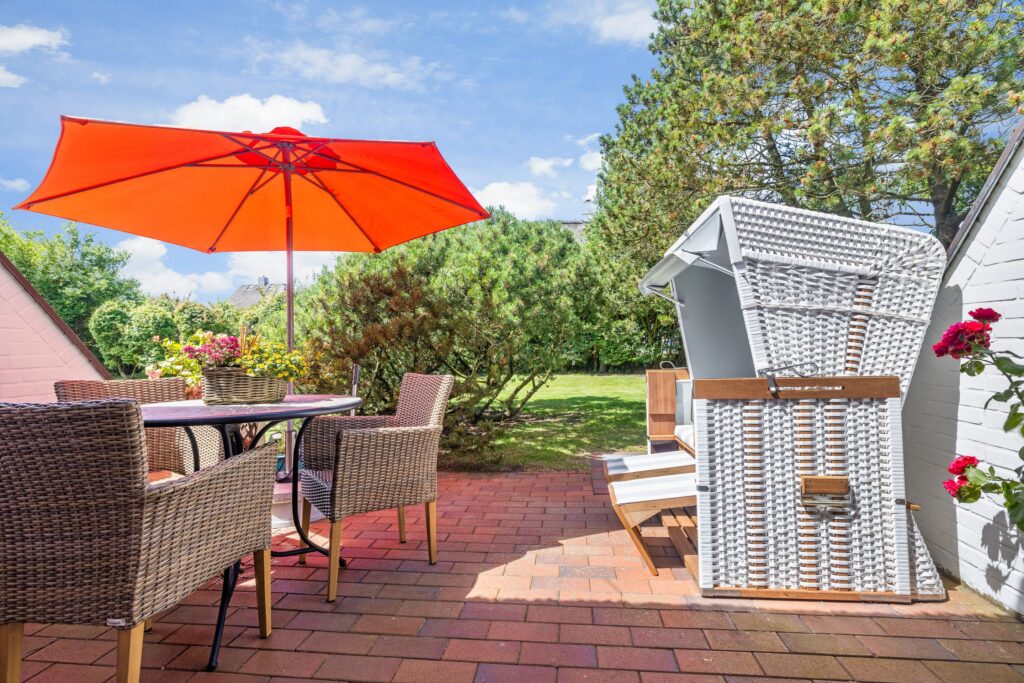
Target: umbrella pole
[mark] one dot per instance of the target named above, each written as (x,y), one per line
(289,437)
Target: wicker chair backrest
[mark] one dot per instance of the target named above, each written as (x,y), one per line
(142,390)
(422,399)
(72,482)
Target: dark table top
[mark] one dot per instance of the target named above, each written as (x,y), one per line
(190,413)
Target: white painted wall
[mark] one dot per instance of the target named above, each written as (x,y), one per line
(34,350)
(943,415)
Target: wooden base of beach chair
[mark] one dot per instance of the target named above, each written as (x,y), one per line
(636,501)
(681,524)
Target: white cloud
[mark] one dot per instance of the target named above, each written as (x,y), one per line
(245,112)
(147,264)
(591,193)
(355,21)
(524,199)
(246,266)
(347,68)
(590,161)
(14,185)
(156,277)
(546,166)
(515,15)
(10,80)
(587,140)
(609,21)
(100,76)
(22,38)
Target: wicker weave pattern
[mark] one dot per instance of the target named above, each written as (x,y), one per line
(751,455)
(227,386)
(360,464)
(849,296)
(87,540)
(168,448)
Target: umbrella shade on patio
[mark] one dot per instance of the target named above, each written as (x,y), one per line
(279,191)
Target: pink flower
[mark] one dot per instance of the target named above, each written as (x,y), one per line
(961,463)
(953,486)
(154,373)
(985,315)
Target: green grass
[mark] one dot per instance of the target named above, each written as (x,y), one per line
(572,417)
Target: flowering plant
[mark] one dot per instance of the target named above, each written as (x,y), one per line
(969,341)
(208,350)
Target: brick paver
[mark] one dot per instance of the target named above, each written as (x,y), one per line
(536,582)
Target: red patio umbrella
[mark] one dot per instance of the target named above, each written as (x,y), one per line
(279,191)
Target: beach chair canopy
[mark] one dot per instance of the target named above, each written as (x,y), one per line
(763,287)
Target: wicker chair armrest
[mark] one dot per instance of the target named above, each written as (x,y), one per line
(320,442)
(196,526)
(383,468)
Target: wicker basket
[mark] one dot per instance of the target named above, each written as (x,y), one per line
(231,385)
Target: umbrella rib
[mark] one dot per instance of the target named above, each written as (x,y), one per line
(96,186)
(408,185)
(320,184)
(253,189)
(258,150)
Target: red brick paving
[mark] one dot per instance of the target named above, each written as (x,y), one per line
(536,583)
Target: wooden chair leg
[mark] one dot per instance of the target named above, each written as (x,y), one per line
(332,561)
(431,514)
(638,541)
(129,654)
(261,559)
(307,511)
(10,652)
(147,625)
(401,524)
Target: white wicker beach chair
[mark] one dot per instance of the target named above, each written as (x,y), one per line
(767,290)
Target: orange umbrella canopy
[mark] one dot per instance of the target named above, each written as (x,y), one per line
(218,191)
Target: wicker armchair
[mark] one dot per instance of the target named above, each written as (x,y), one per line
(168,448)
(87,540)
(360,464)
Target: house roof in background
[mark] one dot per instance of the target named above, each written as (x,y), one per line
(250,295)
(968,224)
(58,321)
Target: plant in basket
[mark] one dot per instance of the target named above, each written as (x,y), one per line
(969,342)
(231,369)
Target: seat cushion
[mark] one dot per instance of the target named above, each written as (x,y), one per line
(654,488)
(684,434)
(162,476)
(635,464)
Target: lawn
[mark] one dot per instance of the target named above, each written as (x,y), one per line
(572,417)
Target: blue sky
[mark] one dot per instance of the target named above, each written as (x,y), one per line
(513,93)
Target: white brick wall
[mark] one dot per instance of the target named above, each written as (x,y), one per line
(34,351)
(943,414)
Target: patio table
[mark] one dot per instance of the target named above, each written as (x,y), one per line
(194,413)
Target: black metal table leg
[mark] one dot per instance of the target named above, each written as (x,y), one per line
(226,591)
(311,547)
(195,447)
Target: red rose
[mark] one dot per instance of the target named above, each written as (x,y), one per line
(958,341)
(961,463)
(985,315)
(953,487)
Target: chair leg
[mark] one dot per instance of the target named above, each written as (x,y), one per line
(147,625)
(332,561)
(129,654)
(401,524)
(431,510)
(261,558)
(10,652)
(307,511)
(638,541)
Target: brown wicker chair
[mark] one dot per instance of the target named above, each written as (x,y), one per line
(168,447)
(87,540)
(366,463)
